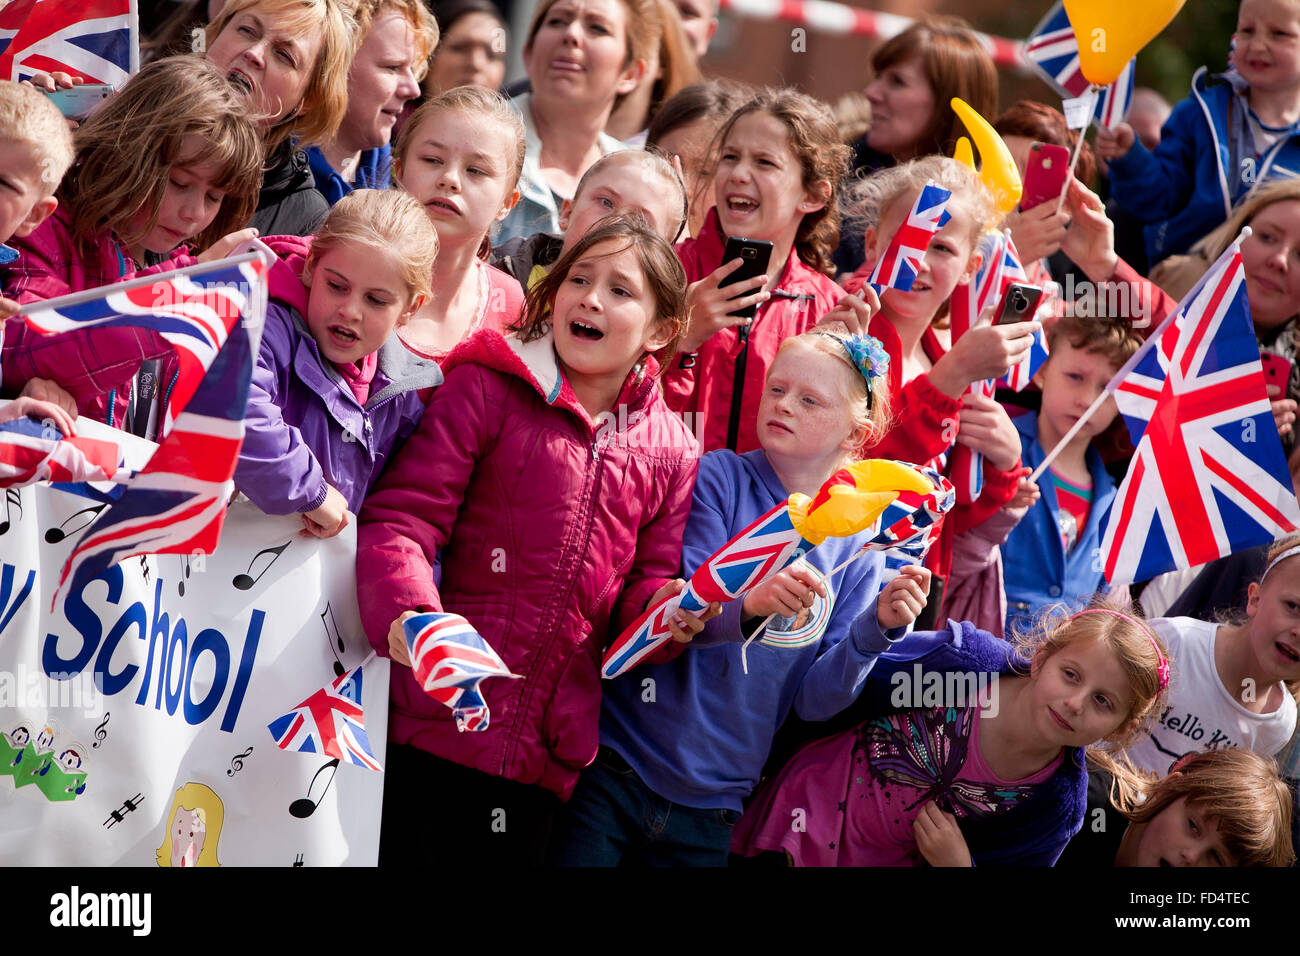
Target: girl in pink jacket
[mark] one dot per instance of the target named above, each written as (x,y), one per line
(778,164)
(554,483)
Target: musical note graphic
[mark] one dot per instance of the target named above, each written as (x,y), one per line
(100,732)
(304,807)
(55,535)
(333,637)
(246,581)
(237,762)
(12,497)
(185,574)
(144,567)
(297,861)
(117,816)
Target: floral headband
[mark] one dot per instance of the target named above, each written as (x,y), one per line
(867,355)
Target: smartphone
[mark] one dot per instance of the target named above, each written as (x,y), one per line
(1044,174)
(79,101)
(755,255)
(1019,303)
(1277,372)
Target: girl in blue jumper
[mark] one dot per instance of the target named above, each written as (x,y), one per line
(684,741)
(334,391)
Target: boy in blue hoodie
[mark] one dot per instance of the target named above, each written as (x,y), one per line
(1052,554)
(1235,131)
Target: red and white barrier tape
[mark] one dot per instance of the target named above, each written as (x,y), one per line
(840,18)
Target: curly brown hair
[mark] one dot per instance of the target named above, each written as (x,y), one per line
(815,141)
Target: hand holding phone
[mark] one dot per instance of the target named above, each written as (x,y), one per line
(1045,174)
(78,102)
(1019,304)
(1277,374)
(755,256)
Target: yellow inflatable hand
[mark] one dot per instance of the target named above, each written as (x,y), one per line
(853,498)
(998,169)
(963,152)
(1110,32)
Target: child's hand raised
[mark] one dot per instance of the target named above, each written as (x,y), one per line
(786,593)
(708,304)
(902,599)
(1114,144)
(984,426)
(854,312)
(939,838)
(1039,232)
(1027,493)
(1090,240)
(397,639)
(1284,410)
(329,519)
(684,625)
(986,351)
(223,247)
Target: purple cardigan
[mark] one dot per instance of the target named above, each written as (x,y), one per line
(304,428)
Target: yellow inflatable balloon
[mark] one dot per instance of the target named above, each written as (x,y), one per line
(853,498)
(1110,32)
(963,152)
(998,170)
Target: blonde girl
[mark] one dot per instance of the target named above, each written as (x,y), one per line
(460,156)
(1215,808)
(699,758)
(334,390)
(1235,684)
(987,770)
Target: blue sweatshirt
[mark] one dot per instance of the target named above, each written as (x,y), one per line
(700,734)
(372,172)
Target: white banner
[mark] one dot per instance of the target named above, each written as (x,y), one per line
(134,718)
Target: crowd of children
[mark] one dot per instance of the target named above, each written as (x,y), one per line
(468,287)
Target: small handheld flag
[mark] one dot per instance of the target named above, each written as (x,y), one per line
(330,721)
(450,660)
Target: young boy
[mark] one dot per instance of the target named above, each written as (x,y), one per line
(630,181)
(1051,555)
(1234,131)
(35,152)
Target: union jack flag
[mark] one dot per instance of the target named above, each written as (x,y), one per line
(971,305)
(194,309)
(176,504)
(1052,50)
(899,265)
(31,451)
(450,660)
(330,721)
(97,40)
(757,552)
(1019,376)
(1209,476)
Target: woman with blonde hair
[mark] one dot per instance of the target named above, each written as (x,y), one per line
(290,60)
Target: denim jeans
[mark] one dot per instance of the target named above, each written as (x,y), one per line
(614,819)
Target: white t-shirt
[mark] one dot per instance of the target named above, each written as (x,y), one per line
(1202,714)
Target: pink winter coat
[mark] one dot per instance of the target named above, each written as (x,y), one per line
(552,529)
(90,365)
(708,391)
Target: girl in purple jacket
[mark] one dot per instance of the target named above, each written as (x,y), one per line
(334,390)
(554,483)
